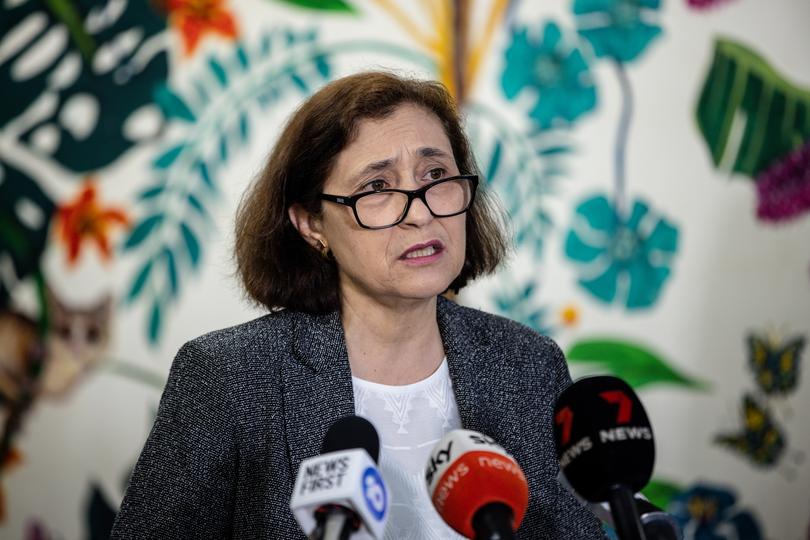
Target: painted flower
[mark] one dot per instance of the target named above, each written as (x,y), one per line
(570,315)
(194,19)
(708,512)
(84,219)
(618,29)
(621,258)
(784,188)
(556,71)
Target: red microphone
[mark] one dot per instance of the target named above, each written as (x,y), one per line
(478,489)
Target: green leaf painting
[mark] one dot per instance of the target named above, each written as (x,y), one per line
(636,364)
(748,114)
(321,5)
(65,11)
(661,492)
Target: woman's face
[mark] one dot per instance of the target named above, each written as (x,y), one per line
(422,255)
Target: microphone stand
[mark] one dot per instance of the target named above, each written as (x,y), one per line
(334,523)
(625,515)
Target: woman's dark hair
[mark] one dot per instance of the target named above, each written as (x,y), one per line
(277,267)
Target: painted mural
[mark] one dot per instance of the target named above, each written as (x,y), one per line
(127,128)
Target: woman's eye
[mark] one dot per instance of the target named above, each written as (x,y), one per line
(436,174)
(376,185)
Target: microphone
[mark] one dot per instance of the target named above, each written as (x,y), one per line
(340,493)
(477,488)
(656,523)
(605,446)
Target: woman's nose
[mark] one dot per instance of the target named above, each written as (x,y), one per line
(418,213)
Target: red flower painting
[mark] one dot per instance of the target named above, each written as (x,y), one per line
(195,19)
(84,219)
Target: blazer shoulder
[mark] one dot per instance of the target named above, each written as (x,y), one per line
(499,330)
(261,334)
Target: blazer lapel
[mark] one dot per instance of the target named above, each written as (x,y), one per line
(317,384)
(483,390)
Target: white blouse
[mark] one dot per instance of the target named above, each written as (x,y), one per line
(410,420)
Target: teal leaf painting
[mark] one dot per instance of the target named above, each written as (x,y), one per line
(172,105)
(155,322)
(523,170)
(212,120)
(750,115)
(140,280)
(167,158)
(638,365)
(519,302)
(220,75)
(171,271)
(619,258)
(142,231)
(192,245)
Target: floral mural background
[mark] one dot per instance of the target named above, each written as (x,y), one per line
(653,157)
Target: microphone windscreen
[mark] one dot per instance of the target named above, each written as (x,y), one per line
(467,471)
(603,437)
(352,432)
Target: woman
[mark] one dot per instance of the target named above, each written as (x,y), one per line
(365,213)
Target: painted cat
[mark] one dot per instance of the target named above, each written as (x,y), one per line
(74,342)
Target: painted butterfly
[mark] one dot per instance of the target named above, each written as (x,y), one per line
(775,367)
(761,439)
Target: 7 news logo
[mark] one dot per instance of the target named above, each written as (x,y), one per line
(611,434)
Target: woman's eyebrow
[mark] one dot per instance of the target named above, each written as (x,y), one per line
(383,164)
(373,167)
(429,151)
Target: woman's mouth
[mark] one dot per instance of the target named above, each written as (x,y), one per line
(422,251)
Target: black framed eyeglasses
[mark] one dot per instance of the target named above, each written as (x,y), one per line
(388,207)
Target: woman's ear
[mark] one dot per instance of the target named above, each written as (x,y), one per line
(307,225)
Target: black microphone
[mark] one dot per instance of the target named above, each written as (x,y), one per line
(340,492)
(605,446)
(657,524)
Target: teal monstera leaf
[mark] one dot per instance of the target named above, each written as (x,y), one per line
(621,258)
(618,29)
(76,73)
(557,71)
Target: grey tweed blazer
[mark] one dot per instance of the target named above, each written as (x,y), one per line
(245,405)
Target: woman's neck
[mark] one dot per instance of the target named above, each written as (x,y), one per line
(389,344)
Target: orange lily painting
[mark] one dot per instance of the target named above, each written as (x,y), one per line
(83,219)
(195,19)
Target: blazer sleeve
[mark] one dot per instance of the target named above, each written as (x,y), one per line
(183,485)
